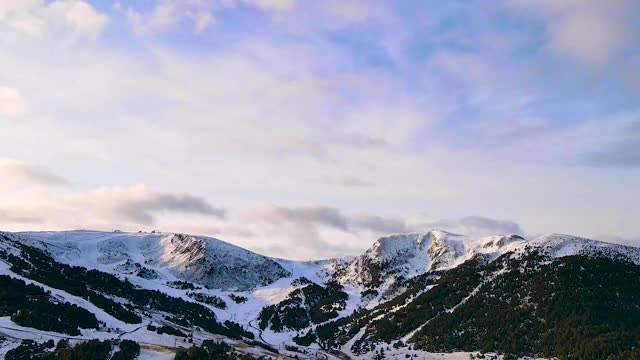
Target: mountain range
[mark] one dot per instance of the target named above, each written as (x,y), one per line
(420,295)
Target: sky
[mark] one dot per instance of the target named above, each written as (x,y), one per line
(306,129)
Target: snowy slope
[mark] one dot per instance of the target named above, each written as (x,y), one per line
(156,260)
(408,255)
(560,245)
(153,260)
(150,259)
(216,268)
(207,261)
(397,257)
(91,251)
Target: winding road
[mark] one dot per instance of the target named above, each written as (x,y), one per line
(260,333)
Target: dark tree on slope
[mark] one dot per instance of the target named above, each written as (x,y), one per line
(211,350)
(129,350)
(30,306)
(311,304)
(305,340)
(89,350)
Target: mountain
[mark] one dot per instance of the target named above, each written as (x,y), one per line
(163,290)
(408,295)
(555,295)
(207,261)
(398,257)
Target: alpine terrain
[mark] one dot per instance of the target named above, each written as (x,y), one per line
(432,295)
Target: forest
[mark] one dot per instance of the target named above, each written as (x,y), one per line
(311,304)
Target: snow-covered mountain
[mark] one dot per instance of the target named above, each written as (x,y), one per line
(408,255)
(282,302)
(203,260)
(216,264)
(449,292)
(403,256)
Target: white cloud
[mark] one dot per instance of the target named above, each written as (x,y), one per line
(589,31)
(11,6)
(11,102)
(202,20)
(217,125)
(315,231)
(138,204)
(353,10)
(38,19)
(17,171)
(130,207)
(341,13)
(349,181)
(84,18)
(17,218)
(612,143)
(314,215)
(167,14)
(477,225)
(273,5)
(264,120)
(163,16)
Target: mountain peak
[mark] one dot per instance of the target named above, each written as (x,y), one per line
(406,255)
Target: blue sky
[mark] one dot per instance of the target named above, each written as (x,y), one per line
(321,124)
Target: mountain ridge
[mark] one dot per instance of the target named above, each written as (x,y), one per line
(188,257)
(347,305)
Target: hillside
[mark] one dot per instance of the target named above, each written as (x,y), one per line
(204,260)
(407,295)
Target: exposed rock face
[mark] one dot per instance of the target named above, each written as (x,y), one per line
(216,264)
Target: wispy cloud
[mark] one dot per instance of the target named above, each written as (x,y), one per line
(315,231)
(620,149)
(165,15)
(273,5)
(349,181)
(139,203)
(73,18)
(478,225)
(11,102)
(312,215)
(589,31)
(129,207)
(382,225)
(17,171)
(14,217)
(442,106)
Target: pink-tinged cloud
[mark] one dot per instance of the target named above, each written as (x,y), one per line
(17,171)
(11,102)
